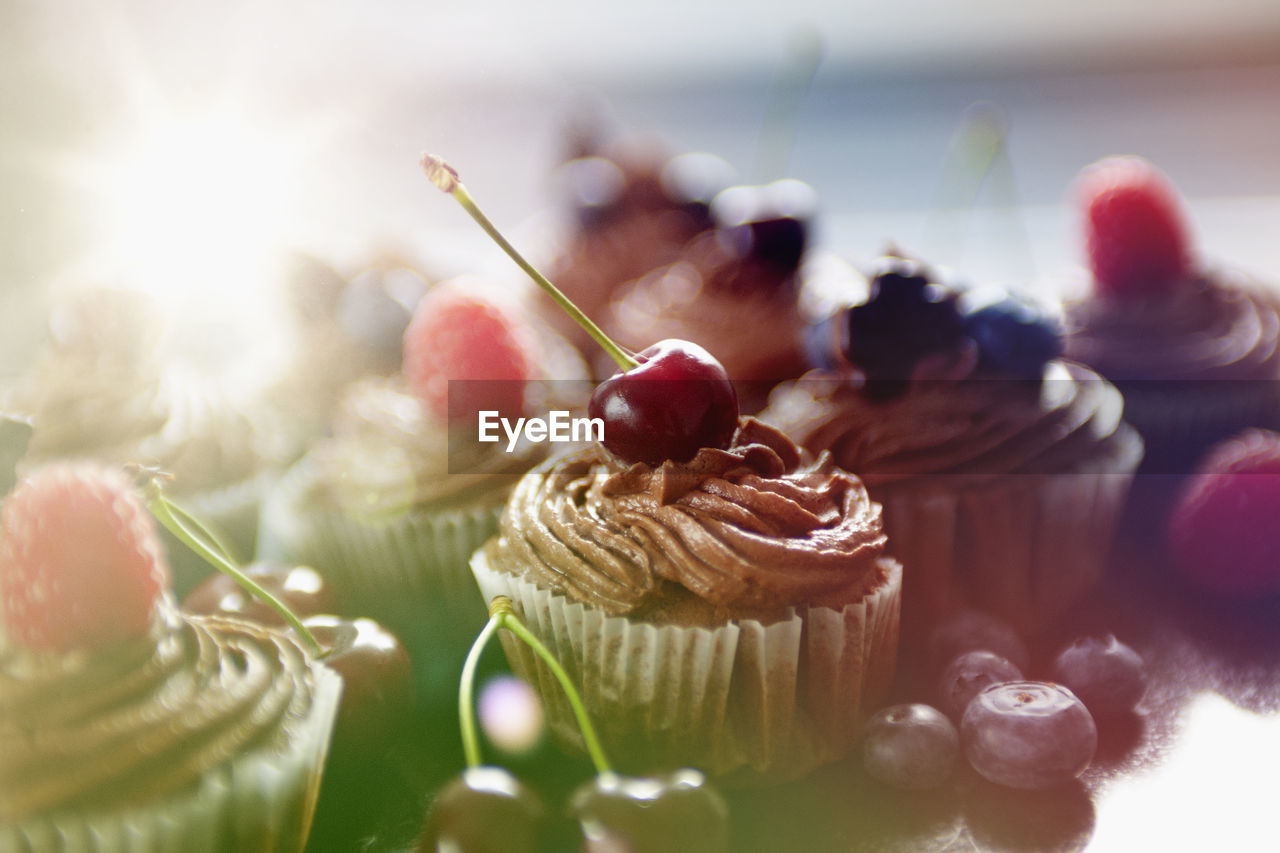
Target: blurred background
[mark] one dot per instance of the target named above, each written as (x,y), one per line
(183,147)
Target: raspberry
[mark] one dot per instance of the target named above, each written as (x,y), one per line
(80,562)
(1222,533)
(1135,231)
(459,336)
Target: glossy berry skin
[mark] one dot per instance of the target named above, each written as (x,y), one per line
(971,630)
(905,318)
(1015,337)
(483,810)
(1028,734)
(377,682)
(1223,534)
(970,674)
(1135,231)
(459,337)
(679,811)
(81,565)
(770,223)
(301,588)
(913,747)
(677,401)
(1107,675)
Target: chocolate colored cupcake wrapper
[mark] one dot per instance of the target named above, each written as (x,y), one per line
(1023,547)
(259,802)
(409,573)
(746,701)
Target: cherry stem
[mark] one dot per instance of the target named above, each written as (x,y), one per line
(503,615)
(188,529)
(446,180)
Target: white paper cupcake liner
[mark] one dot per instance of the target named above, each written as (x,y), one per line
(259,802)
(409,573)
(1023,547)
(746,701)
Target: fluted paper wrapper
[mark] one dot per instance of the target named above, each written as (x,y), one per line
(259,802)
(746,701)
(410,573)
(1023,547)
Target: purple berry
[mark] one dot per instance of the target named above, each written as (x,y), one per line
(1028,734)
(770,223)
(1108,676)
(971,630)
(970,674)
(910,746)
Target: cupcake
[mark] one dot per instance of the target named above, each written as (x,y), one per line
(735,611)
(392,503)
(124,724)
(744,275)
(103,389)
(1194,350)
(1001,467)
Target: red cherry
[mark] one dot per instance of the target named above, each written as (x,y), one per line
(677,401)
(301,588)
(377,676)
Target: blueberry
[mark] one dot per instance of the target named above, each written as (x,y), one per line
(969,630)
(970,674)
(1028,734)
(1015,336)
(375,309)
(913,747)
(1108,676)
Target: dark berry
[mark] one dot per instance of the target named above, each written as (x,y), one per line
(1028,734)
(1014,337)
(679,811)
(484,810)
(1108,676)
(677,401)
(970,674)
(905,318)
(692,180)
(374,310)
(769,223)
(913,747)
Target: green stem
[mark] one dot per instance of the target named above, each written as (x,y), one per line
(506,616)
(466,693)
(446,179)
(206,544)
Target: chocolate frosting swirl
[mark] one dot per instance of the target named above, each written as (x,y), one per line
(758,526)
(1216,328)
(145,718)
(974,428)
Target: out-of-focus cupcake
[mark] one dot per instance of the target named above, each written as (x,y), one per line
(124,725)
(631,209)
(1002,468)
(103,389)
(735,611)
(1194,350)
(735,289)
(392,503)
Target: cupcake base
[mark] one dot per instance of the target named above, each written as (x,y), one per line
(748,701)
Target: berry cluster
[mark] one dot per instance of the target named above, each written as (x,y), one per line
(909,318)
(1014,732)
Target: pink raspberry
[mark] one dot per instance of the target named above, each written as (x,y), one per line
(80,562)
(1223,533)
(1135,231)
(456,335)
